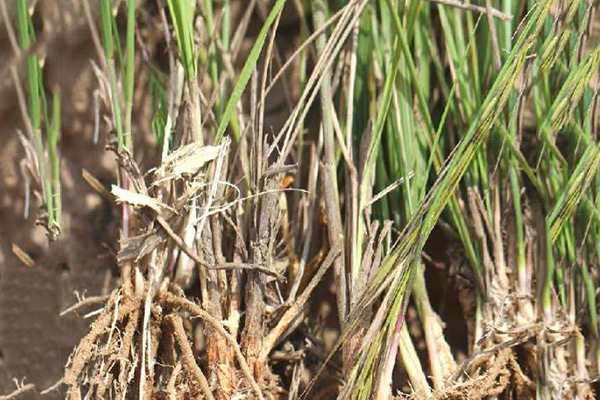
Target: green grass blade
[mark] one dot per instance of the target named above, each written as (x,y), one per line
(246,72)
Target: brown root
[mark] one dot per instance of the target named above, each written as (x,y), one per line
(189,362)
(491,377)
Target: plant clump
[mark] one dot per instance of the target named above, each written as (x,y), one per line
(432,155)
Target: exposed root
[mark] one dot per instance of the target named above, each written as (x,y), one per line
(171,390)
(524,387)
(52,388)
(21,389)
(87,349)
(126,345)
(491,377)
(189,362)
(108,360)
(84,302)
(178,302)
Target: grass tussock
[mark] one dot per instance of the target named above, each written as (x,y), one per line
(426,143)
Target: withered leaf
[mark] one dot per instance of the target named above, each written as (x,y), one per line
(136,247)
(137,199)
(186,161)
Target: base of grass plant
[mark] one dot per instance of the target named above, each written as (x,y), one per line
(144,341)
(121,354)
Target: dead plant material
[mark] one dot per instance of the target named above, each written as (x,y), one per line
(97,185)
(187,160)
(23,256)
(293,311)
(224,266)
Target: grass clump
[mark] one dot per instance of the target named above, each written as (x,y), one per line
(425,144)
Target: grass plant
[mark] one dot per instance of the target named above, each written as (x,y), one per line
(42,122)
(409,123)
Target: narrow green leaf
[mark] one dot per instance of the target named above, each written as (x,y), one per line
(246,72)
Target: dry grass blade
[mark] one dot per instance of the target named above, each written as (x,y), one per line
(472,7)
(187,160)
(137,199)
(23,256)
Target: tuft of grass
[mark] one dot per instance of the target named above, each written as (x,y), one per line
(43,123)
(471,122)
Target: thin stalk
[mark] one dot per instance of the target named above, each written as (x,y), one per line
(129,75)
(547,286)
(54,158)
(413,366)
